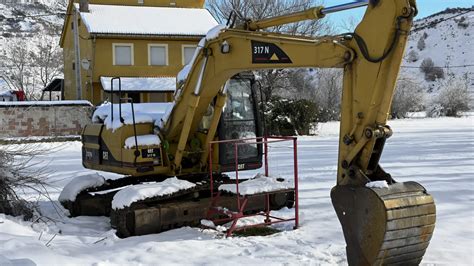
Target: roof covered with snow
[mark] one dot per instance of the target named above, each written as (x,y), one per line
(145,20)
(159,84)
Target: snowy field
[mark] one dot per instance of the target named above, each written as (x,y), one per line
(438,153)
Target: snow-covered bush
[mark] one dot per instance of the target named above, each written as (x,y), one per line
(453,98)
(408,97)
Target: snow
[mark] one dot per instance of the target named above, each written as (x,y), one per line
(143,140)
(142,20)
(4,86)
(5,93)
(214,32)
(48,103)
(183,73)
(208,223)
(438,153)
(129,195)
(156,113)
(141,84)
(80,183)
(259,184)
(377,184)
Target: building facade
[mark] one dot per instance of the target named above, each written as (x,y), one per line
(144,42)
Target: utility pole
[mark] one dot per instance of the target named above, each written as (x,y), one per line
(77,55)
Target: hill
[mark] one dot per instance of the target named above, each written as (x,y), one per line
(446,38)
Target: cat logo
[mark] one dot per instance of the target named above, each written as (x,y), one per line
(105,155)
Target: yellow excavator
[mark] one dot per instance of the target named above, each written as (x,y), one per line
(215,100)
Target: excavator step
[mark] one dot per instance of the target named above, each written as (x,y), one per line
(385,226)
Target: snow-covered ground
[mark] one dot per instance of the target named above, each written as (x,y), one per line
(439,153)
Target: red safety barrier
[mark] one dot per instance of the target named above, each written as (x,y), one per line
(242,200)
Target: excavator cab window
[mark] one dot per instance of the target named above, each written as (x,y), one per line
(240,121)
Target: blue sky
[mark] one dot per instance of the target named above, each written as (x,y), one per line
(425,8)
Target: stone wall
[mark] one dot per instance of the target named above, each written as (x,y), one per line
(20,119)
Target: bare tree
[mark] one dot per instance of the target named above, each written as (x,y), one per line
(408,97)
(18,63)
(271,80)
(47,59)
(452,99)
(426,65)
(327,93)
(431,71)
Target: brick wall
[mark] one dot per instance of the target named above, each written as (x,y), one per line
(43,120)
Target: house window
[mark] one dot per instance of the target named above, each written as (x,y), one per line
(188,53)
(157,54)
(123,54)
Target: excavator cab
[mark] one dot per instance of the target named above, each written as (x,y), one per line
(240,119)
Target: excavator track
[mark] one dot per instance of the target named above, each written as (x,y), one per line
(158,214)
(385,226)
(155,216)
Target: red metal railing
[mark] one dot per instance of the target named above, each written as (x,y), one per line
(242,200)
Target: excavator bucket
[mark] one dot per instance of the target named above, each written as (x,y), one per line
(385,226)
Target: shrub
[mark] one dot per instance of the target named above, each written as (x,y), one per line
(421,45)
(431,71)
(290,117)
(453,98)
(413,56)
(408,97)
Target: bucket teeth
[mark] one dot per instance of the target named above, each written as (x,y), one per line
(385,226)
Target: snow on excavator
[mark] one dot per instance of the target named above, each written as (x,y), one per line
(384,222)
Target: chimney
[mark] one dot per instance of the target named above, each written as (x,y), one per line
(84,6)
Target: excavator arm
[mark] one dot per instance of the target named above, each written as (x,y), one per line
(388,225)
